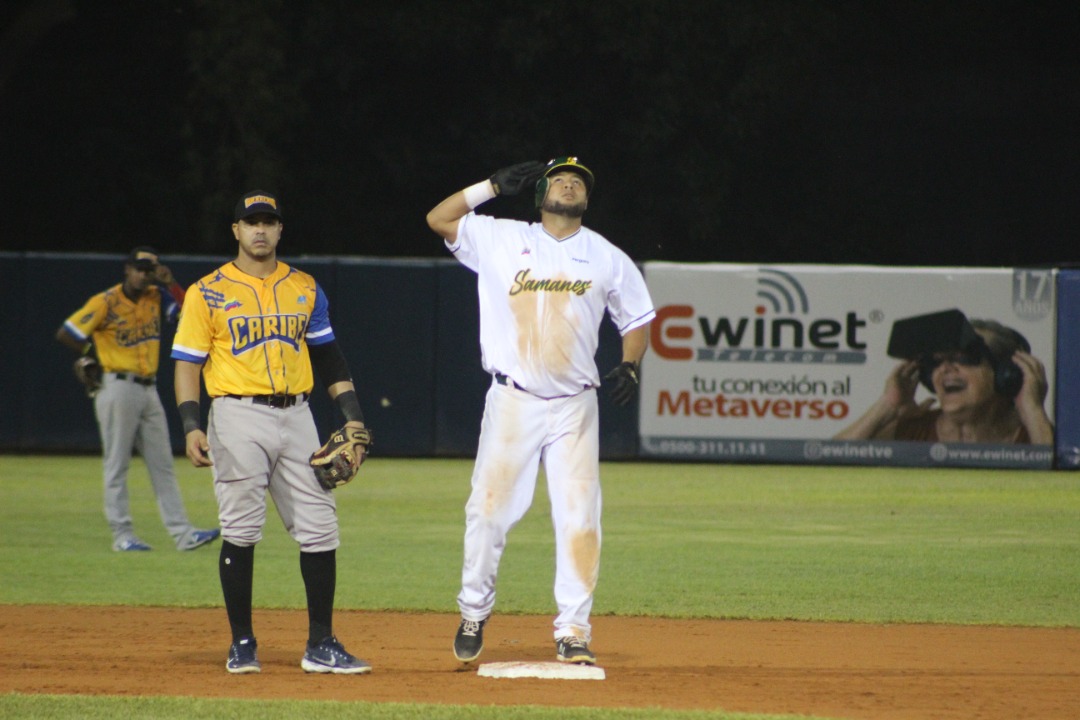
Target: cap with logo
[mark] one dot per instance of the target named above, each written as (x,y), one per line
(257,202)
(566,163)
(139,260)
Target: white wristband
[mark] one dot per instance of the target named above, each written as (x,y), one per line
(479,193)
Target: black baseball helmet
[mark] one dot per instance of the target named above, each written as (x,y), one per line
(567,163)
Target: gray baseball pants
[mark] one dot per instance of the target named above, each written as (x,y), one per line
(131,417)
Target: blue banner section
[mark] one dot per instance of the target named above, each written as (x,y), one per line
(383,314)
(460,381)
(17,358)
(1067,438)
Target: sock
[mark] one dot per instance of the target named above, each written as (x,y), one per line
(235,566)
(319,571)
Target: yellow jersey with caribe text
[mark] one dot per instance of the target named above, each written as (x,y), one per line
(126,333)
(251,334)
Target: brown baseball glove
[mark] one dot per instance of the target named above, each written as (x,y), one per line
(88,372)
(338,461)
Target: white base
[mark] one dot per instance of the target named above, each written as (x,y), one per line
(552,670)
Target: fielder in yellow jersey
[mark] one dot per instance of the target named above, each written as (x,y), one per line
(122,325)
(252,333)
(126,332)
(253,330)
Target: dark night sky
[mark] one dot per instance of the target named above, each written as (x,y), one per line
(846,132)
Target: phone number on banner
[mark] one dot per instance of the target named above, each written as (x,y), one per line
(703,447)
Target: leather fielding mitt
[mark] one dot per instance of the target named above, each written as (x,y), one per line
(88,372)
(337,462)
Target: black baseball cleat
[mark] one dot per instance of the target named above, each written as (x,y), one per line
(330,656)
(469,640)
(571,649)
(242,658)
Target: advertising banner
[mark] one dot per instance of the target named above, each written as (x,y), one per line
(850,365)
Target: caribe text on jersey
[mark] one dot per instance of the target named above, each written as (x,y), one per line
(132,336)
(249,332)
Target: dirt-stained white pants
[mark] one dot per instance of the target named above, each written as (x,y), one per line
(518,432)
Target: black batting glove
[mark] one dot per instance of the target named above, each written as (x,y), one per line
(512,180)
(623,383)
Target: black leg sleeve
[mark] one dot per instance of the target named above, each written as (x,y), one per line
(319,571)
(235,566)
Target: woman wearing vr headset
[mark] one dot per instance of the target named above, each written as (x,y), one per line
(991,391)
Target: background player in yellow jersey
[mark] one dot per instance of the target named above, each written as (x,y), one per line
(254,328)
(122,327)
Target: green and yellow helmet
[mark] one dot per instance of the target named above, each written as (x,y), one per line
(567,163)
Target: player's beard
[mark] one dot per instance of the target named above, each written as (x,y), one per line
(571,211)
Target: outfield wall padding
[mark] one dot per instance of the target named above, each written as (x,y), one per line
(409,328)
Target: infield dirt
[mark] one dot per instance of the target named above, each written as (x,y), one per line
(828,669)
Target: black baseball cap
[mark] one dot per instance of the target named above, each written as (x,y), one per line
(143,263)
(257,202)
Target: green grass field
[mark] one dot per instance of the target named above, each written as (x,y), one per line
(680,540)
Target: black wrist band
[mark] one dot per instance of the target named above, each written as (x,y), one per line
(349,405)
(189,416)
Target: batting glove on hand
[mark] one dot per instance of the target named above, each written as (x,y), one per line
(624,381)
(512,180)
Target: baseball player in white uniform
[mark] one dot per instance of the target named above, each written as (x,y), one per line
(544,288)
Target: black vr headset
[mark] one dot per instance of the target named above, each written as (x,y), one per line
(919,338)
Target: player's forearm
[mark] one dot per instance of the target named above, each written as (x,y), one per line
(186,387)
(444,217)
(66,339)
(340,387)
(343,393)
(186,380)
(634,344)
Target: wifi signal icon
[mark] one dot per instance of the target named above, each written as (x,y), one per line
(782,290)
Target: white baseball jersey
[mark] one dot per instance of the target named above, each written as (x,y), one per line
(545,338)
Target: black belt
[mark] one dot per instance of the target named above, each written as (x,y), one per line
(135,378)
(274,401)
(509,382)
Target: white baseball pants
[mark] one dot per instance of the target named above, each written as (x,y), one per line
(518,432)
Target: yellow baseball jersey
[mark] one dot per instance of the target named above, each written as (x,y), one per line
(126,333)
(251,334)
